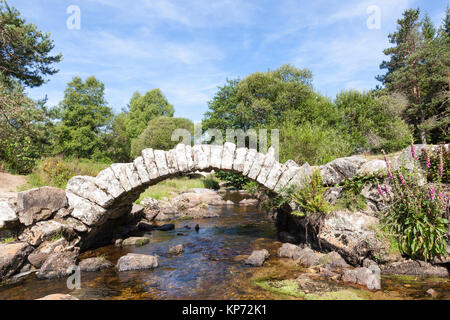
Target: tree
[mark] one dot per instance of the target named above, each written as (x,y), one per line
(158,134)
(145,108)
(261,100)
(373,122)
(24,50)
(118,144)
(419,69)
(84,116)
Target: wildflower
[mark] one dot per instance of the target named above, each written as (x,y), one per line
(413,151)
(432,194)
(401,178)
(441,164)
(386,190)
(379,190)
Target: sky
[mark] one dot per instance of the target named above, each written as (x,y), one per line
(189,48)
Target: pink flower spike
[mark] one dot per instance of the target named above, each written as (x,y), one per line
(401,178)
(379,190)
(413,151)
(386,190)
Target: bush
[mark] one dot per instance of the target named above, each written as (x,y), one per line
(417,214)
(56,171)
(234,179)
(313,143)
(211,182)
(158,134)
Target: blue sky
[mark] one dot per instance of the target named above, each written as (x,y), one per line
(188,48)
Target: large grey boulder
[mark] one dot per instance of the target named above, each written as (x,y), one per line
(58,296)
(134,261)
(94,264)
(340,169)
(12,258)
(8,216)
(257,258)
(369,277)
(288,250)
(39,204)
(135,241)
(86,211)
(59,264)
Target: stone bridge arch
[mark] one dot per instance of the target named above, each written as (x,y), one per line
(94,200)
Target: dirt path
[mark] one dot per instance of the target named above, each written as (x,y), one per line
(9,184)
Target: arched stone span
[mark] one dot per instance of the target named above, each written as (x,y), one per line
(110,194)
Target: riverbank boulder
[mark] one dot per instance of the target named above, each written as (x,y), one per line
(38,256)
(58,296)
(369,277)
(59,264)
(416,268)
(12,257)
(134,261)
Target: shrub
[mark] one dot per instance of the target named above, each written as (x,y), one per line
(312,205)
(236,180)
(57,171)
(211,182)
(417,214)
(252,188)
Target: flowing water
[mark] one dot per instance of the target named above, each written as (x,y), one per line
(211,267)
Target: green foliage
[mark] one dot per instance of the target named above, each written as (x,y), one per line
(56,171)
(24,51)
(145,108)
(312,143)
(252,187)
(418,68)
(373,122)
(210,182)
(84,116)
(437,160)
(310,198)
(118,144)
(158,134)
(171,187)
(417,215)
(238,181)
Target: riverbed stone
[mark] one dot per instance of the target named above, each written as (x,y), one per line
(39,204)
(257,258)
(86,187)
(415,267)
(135,241)
(288,250)
(12,258)
(108,182)
(95,264)
(59,264)
(134,261)
(178,249)
(249,203)
(369,277)
(58,296)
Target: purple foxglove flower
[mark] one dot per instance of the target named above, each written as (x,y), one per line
(379,190)
(413,151)
(401,178)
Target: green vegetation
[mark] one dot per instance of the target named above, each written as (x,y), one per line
(210,182)
(235,180)
(7,240)
(417,214)
(158,134)
(56,171)
(170,187)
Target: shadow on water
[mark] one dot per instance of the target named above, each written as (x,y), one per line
(211,266)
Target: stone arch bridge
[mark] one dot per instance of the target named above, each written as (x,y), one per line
(112,192)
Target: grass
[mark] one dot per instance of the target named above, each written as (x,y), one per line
(170,187)
(7,240)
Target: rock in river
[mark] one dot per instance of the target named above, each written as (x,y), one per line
(12,257)
(134,261)
(135,241)
(257,258)
(95,264)
(58,296)
(176,249)
(369,277)
(58,265)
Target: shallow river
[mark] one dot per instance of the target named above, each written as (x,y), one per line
(211,267)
